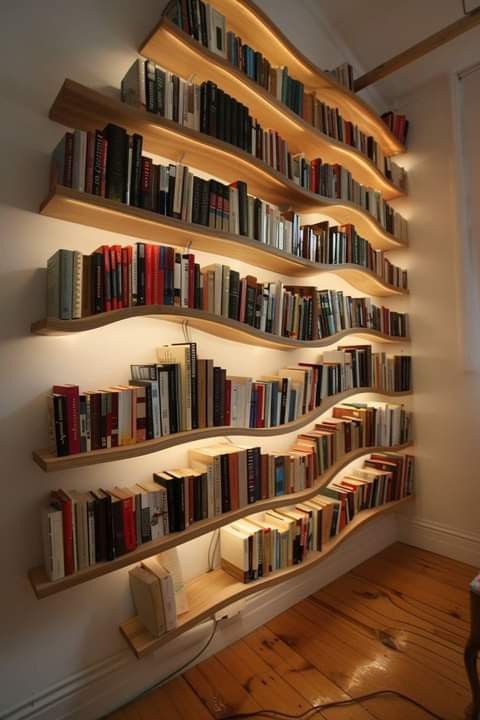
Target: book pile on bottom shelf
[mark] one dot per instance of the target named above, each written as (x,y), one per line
(265,548)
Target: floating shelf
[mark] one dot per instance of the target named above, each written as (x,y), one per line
(213,591)
(256,29)
(79,107)
(208,322)
(94,211)
(176,51)
(49,462)
(43,587)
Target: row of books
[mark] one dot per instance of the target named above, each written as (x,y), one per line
(259,545)
(337,245)
(398,124)
(278,82)
(158,592)
(81,529)
(181,392)
(113,277)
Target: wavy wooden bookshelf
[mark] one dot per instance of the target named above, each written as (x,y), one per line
(208,322)
(173,49)
(94,211)
(43,587)
(257,30)
(49,462)
(80,107)
(213,591)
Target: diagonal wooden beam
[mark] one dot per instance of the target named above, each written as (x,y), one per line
(419,50)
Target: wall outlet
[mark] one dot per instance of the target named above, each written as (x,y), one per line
(231,611)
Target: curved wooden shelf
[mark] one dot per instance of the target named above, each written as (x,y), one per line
(173,49)
(210,593)
(208,322)
(43,587)
(257,30)
(85,109)
(49,462)
(94,211)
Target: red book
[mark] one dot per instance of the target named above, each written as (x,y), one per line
(264,476)
(113,277)
(259,405)
(125,277)
(155,272)
(119,274)
(228,402)
(90,161)
(71,392)
(148,274)
(128,516)
(63,500)
(103,167)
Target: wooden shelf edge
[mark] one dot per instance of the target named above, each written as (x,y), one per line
(310,74)
(143,643)
(86,109)
(49,462)
(207,322)
(66,204)
(44,588)
(352,158)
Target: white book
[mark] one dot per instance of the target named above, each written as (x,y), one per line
(147,598)
(133,88)
(234,549)
(217,33)
(81,528)
(170,561)
(52,537)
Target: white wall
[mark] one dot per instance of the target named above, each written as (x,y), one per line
(51,648)
(446,400)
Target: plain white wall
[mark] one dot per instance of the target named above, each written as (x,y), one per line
(43,643)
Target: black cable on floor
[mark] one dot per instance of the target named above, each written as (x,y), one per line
(277,715)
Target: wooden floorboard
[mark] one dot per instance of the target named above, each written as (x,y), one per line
(399,621)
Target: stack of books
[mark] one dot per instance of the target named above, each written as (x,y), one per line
(181,392)
(115,277)
(158,592)
(81,529)
(259,545)
(398,124)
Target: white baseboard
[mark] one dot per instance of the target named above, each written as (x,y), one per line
(105,685)
(440,539)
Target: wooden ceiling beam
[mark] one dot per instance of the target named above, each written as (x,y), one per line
(419,49)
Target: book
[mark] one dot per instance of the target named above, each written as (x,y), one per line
(147,597)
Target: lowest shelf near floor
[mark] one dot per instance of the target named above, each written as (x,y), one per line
(210,593)
(49,462)
(43,587)
(94,211)
(176,51)
(256,29)
(80,107)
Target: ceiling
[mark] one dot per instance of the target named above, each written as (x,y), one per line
(376,30)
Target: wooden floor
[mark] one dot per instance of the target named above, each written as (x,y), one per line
(399,621)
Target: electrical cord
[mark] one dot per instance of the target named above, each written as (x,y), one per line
(278,715)
(183,667)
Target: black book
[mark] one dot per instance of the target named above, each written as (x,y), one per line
(204,108)
(146,183)
(227,118)
(100,522)
(234,295)
(220,128)
(97,271)
(194,19)
(155,188)
(97,163)
(203,23)
(217,397)
(251,481)
(198,290)
(160,81)
(136,173)
(257,218)
(205,203)
(169,483)
(117,158)
(251,305)
(176,98)
(197,498)
(173,397)
(226,500)
(60,424)
(234,115)
(223,380)
(172,172)
(211,109)
(150,87)
(140,273)
(196,200)
(257,469)
(242,207)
